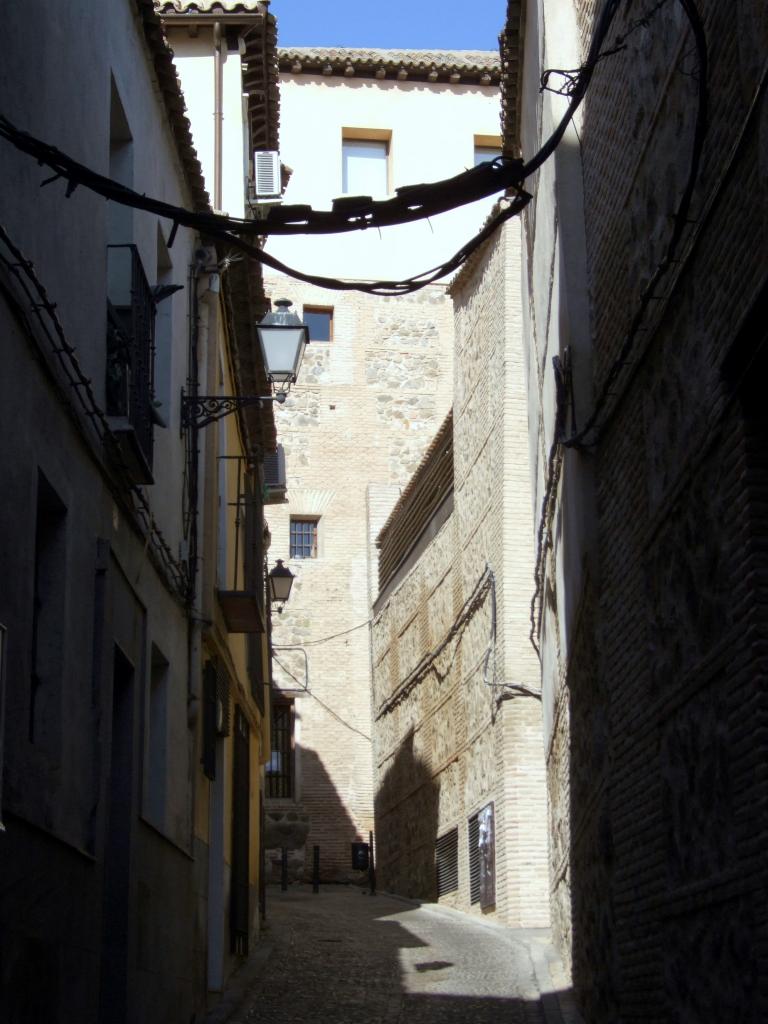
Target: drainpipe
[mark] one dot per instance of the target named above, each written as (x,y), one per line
(218,111)
(198,336)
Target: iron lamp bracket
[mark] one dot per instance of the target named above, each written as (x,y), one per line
(199,410)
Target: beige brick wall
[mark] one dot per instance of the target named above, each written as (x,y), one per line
(356,425)
(451,746)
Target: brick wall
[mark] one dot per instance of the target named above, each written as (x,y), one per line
(354,428)
(451,744)
(656,807)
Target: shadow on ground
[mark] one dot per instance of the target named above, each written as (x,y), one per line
(343,957)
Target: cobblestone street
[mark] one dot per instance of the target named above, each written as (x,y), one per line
(345,957)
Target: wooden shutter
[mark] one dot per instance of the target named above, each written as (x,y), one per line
(447,862)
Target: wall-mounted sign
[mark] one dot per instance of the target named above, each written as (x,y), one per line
(486,842)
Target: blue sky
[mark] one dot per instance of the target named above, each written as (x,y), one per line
(394,24)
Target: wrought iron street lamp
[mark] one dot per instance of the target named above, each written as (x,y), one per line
(282,337)
(280,582)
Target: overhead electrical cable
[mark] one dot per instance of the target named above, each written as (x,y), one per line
(350,213)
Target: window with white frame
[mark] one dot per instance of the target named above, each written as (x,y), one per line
(365,163)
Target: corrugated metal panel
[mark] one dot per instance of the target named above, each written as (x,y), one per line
(447,862)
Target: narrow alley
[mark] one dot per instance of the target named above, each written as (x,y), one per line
(344,956)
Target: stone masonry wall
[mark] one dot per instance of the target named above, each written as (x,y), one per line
(451,745)
(355,426)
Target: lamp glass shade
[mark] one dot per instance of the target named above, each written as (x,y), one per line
(282,337)
(282,349)
(280,582)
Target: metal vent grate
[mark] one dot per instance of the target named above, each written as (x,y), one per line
(447,862)
(266,172)
(473,841)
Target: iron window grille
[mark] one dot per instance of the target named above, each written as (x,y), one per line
(473,837)
(130,344)
(303,539)
(279,771)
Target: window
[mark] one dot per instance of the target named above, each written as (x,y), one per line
(487,147)
(319,320)
(486,841)
(447,862)
(365,162)
(162,293)
(473,842)
(121,165)
(303,537)
(485,153)
(48,616)
(130,327)
(482,858)
(279,770)
(216,713)
(130,347)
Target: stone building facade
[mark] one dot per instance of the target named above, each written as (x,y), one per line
(366,406)
(132,722)
(457,719)
(650,614)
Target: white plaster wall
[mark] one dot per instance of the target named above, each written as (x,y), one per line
(55,81)
(433,128)
(556,317)
(194,61)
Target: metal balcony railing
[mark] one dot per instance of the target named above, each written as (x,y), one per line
(130,348)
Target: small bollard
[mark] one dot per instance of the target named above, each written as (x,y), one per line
(284,869)
(315,869)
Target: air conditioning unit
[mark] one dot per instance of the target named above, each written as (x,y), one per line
(274,477)
(267,183)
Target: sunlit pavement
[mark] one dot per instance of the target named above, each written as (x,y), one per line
(345,957)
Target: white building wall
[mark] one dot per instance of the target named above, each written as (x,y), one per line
(58,64)
(433,130)
(194,59)
(556,318)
